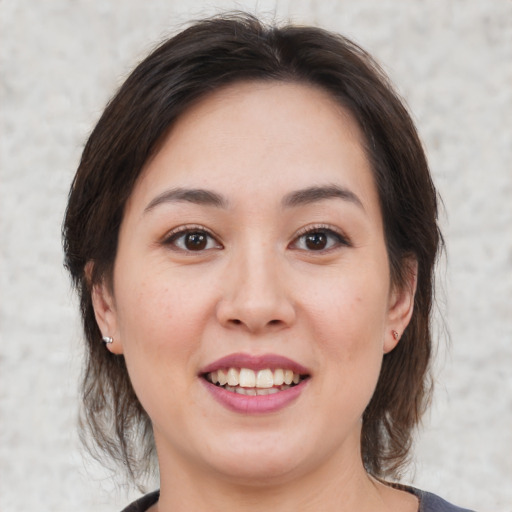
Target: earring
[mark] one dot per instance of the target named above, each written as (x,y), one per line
(107,340)
(395,335)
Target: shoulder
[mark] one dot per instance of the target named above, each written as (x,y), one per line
(432,503)
(142,504)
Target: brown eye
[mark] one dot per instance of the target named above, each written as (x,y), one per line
(320,239)
(196,241)
(192,240)
(315,241)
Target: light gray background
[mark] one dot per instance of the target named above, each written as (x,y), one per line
(60,62)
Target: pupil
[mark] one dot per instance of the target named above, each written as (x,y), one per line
(316,241)
(195,241)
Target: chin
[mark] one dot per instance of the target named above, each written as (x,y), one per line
(258,472)
(253,461)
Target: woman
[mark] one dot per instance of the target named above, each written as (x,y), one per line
(252,231)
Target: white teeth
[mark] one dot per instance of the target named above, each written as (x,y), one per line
(265,379)
(232,377)
(278,377)
(222,378)
(253,391)
(247,378)
(270,391)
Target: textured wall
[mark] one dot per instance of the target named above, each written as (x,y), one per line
(60,61)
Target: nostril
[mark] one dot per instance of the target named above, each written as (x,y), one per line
(236,321)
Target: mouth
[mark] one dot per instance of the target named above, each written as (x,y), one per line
(249,382)
(255,384)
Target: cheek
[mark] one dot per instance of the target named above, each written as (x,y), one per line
(353,310)
(156,306)
(161,341)
(348,323)
(160,330)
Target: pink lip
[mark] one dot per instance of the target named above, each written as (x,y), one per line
(246,404)
(262,362)
(255,404)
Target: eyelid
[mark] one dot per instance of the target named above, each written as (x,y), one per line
(175,233)
(342,238)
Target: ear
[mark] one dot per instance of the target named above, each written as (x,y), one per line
(401,306)
(105,312)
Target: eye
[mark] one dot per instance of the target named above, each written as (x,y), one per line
(319,239)
(192,240)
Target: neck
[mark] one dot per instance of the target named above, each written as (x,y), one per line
(335,486)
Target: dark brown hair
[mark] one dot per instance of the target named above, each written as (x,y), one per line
(208,55)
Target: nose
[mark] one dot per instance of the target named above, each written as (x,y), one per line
(255,295)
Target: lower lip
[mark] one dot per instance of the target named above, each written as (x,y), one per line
(246,404)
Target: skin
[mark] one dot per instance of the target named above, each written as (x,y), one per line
(258,288)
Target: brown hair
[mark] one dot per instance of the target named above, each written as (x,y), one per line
(209,55)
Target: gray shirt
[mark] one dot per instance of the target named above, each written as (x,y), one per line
(428,502)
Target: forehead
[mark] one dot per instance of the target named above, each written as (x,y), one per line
(262,134)
(268,111)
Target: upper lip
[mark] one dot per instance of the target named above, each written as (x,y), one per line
(255,362)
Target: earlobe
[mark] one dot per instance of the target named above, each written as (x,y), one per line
(106,317)
(401,307)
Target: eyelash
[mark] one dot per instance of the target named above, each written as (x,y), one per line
(339,239)
(171,238)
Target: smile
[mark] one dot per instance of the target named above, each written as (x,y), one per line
(255,384)
(246,381)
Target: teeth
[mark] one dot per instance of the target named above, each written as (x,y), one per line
(254,391)
(232,377)
(265,379)
(222,377)
(278,377)
(247,378)
(248,382)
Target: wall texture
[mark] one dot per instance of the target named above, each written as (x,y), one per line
(61,60)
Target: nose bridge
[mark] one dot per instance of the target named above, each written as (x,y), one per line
(258,274)
(256,294)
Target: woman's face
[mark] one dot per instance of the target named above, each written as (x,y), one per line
(252,253)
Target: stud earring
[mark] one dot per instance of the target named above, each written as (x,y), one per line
(107,340)
(395,335)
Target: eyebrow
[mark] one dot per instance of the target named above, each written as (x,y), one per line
(314,194)
(189,195)
(293,199)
